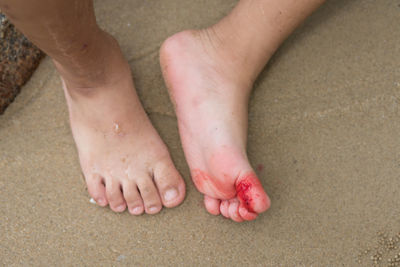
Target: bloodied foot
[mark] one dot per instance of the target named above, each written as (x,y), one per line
(211,99)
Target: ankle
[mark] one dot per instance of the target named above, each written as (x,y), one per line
(233,53)
(94,64)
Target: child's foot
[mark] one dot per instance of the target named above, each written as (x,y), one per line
(210,91)
(124,161)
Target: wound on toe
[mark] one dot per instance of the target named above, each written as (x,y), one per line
(243,191)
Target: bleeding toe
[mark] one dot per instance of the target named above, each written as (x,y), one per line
(251,194)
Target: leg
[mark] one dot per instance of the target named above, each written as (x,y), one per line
(209,74)
(124,161)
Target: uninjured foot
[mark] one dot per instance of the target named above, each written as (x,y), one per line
(124,161)
(210,91)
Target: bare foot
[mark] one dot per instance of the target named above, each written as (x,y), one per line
(124,161)
(210,92)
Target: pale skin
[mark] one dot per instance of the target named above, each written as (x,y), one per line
(209,74)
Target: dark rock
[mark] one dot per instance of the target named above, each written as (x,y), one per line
(18,60)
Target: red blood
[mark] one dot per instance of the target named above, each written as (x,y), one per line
(211,186)
(243,192)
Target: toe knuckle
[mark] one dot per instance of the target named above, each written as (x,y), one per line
(112,197)
(146,189)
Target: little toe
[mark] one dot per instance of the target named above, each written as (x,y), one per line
(224,208)
(234,210)
(132,198)
(212,205)
(149,193)
(97,189)
(170,185)
(114,195)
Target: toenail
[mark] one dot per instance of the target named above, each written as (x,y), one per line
(170,194)
(153,209)
(100,201)
(121,207)
(136,210)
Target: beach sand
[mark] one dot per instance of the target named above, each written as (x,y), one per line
(324,136)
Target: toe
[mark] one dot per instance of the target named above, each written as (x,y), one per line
(234,210)
(245,214)
(114,195)
(170,184)
(212,205)
(132,197)
(251,194)
(97,189)
(224,208)
(149,193)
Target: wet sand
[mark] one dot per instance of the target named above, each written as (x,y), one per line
(324,135)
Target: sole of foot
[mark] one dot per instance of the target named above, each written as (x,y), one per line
(210,99)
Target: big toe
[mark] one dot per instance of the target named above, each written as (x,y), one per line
(251,194)
(170,184)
